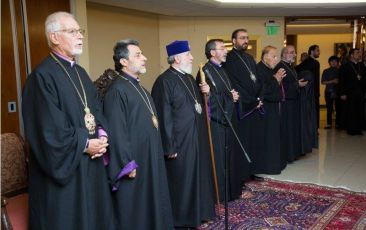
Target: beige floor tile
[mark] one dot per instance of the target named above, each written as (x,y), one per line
(340,161)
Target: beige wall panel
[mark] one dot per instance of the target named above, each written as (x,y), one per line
(107,25)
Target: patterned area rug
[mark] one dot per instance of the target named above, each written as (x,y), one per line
(272,204)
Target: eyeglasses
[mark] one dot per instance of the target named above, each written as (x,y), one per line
(220,49)
(73,32)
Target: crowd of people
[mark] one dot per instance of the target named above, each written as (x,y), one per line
(110,155)
(345,87)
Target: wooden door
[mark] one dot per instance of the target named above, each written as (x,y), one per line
(21,20)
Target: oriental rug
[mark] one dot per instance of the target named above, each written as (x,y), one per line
(272,204)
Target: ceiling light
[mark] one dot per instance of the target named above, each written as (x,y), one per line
(291,1)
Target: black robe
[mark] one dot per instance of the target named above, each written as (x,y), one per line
(354,89)
(222,135)
(290,114)
(271,161)
(142,202)
(67,189)
(249,121)
(313,65)
(184,131)
(340,104)
(308,124)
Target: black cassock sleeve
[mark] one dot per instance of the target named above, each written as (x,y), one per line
(116,113)
(55,143)
(162,94)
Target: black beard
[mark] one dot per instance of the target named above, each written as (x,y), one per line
(238,47)
(241,48)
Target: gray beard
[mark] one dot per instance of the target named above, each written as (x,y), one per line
(289,62)
(187,70)
(78,52)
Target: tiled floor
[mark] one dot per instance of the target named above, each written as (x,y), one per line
(340,161)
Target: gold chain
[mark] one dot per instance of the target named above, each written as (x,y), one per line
(194,97)
(148,104)
(356,72)
(227,84)
(84,102)
(246,65)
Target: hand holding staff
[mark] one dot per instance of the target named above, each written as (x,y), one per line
(205,89)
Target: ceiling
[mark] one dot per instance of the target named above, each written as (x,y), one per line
(216,9)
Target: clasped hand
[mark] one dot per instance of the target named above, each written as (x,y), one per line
(281,73)
(97,147)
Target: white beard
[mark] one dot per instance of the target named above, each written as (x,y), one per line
(186,68)
(77,52)
(142,70)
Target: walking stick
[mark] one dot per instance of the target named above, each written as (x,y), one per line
(205,97)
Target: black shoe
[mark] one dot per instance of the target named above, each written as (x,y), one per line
(354,133)
(257,178)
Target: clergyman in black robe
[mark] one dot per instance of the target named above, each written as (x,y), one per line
(290,107)
(353,88)
(308,124)
(271,161)
(249,124)
(313,65)
(185,140)
(68,185)
(222,93)
(137,167)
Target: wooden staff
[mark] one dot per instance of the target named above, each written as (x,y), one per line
(205,97)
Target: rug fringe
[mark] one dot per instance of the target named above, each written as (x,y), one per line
(306,182)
